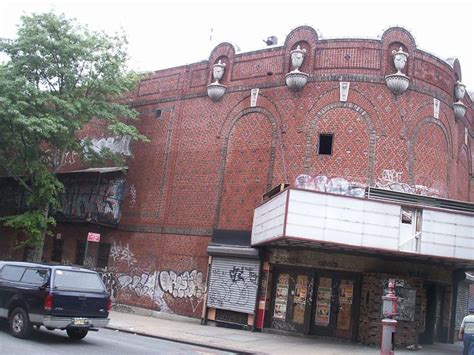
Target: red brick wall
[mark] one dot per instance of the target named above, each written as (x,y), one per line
(165,272)
(247,164)
(208,163)
(370,328)
(430,172)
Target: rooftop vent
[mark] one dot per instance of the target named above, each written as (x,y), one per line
(271,41)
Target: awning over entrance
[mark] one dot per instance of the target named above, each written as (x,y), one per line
(308,219)
(98,170)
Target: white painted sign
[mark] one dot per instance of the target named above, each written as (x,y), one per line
(361,223)
(253,97)
(93,237)
(343,90)
(436,108)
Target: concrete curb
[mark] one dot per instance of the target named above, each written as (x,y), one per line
(145,312)
(177,340)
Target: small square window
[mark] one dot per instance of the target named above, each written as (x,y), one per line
(158,113)
(407,215)
(325,144)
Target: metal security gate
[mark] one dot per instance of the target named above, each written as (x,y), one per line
(233,284)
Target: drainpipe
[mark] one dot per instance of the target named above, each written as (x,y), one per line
(204,306)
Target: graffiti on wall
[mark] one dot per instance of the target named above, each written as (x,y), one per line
(111,284)
(187,284)
(88,198)
(141,285)
(393,180)
(117,145)
(390,180)
(159,287)
(235,287)
(335,185)
(119,252)
(56,158)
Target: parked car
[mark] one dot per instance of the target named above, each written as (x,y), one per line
(56,297)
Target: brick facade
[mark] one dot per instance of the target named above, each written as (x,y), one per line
(208,163)
(370,328)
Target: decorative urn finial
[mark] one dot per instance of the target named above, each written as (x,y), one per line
(216,90)
(398,82)
(297,57)
(296,79)
(218,71)
(458,107)
(399,59)
(459,91)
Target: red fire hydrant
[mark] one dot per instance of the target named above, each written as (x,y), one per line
(389,309)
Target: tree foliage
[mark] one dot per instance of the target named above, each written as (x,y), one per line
(59,78)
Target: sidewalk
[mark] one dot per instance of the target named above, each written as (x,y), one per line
(190,330)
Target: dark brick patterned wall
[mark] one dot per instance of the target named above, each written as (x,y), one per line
(208,162)
(247,162)
(370,325)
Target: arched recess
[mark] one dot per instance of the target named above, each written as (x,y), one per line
(464,173)
(225,52)
(265,105)
(268,107)
(363,100)
(247,167)
(355,153)
(395,37)
(430,161)
(456,65)
(425,109)
(307,37)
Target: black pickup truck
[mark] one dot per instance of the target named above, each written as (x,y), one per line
(57,297)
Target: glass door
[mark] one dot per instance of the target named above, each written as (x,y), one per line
(290,302)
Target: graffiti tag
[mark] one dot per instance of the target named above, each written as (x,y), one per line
(185,285)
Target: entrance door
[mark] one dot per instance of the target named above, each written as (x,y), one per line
(290,304)
(334,309)
(436,327)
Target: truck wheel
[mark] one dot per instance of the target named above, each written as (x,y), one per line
(76,334)
(19,322)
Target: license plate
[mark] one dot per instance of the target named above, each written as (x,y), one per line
(80,321)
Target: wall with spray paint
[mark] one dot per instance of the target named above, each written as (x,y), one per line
(144,280)
(208,163)
(145,270)
(95,197)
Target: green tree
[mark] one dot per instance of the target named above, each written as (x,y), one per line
(59,77)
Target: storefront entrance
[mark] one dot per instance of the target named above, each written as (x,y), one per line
(315,302)
(334,308)
(291,306)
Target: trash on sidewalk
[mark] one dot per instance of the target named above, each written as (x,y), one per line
(414,347)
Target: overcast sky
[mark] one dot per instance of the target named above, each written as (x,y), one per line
(165,34)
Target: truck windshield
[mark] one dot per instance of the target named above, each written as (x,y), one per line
(77,280)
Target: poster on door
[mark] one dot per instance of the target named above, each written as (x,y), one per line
(281,296)
(346,289)
(299,299)
(323,301)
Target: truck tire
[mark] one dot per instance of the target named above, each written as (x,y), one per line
(19,323)
(77,334)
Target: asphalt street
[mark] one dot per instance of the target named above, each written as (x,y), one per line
(103,342)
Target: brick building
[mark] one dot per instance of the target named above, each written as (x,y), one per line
(363,166)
